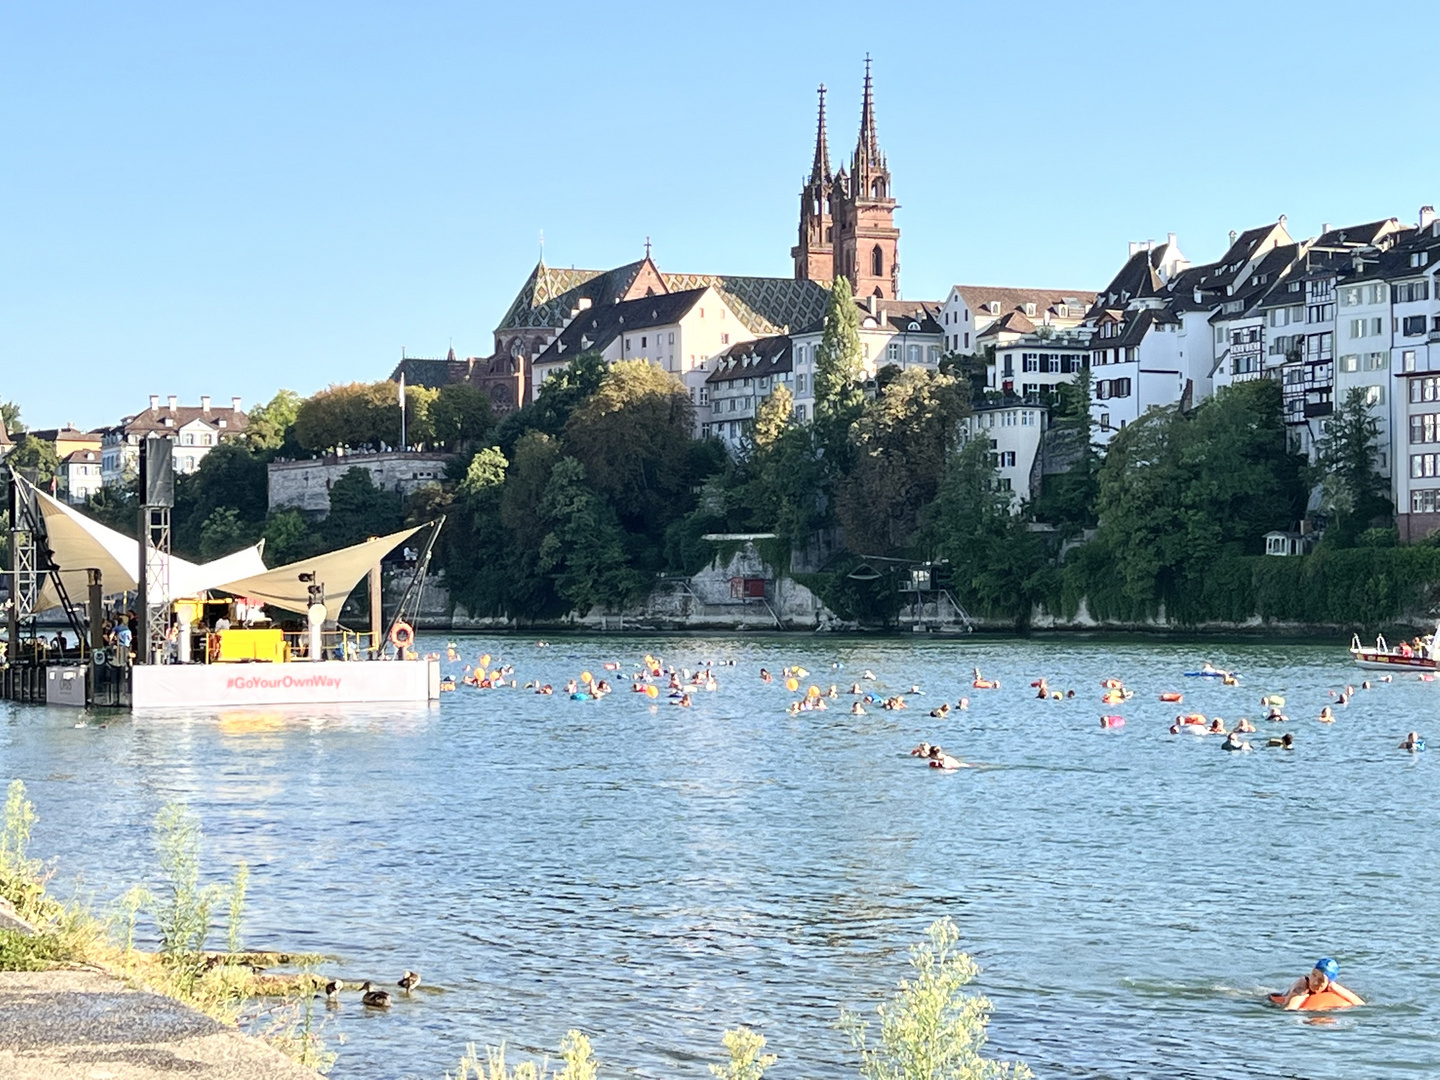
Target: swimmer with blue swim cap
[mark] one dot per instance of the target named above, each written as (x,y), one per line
(1321,977)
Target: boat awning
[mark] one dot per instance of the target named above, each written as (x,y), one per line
(339,572)
(77,544)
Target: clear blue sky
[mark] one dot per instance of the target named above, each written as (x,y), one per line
(227,198)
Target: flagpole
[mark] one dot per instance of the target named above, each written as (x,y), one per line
(402,411)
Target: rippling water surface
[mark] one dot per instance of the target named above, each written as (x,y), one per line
(653,875)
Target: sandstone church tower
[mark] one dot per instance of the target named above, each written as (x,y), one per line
(850,229)
(814,255)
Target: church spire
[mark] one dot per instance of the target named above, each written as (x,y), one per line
(820,171)
(868,159)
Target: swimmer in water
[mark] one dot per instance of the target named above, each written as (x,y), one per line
(1069,693)
(1285,742)
(857,710)
(1234,742)
(1244,727)
(868,674)
(1217,727)
(1413,742)
(915,690)
(1320,978)
(941,760)
(942,712)
(855,689)
(923,750)
(1175,728)
(963,704)
(1326,715)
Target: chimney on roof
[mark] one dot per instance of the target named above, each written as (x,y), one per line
(1233,235)
(1427,216)
(154,402)
(204,402)
(1134,247)
(1324,228)
(873,303)
(235,403)
(1170,239)
(174,402)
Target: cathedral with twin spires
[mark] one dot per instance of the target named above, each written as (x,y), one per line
(847,219)
(688,323)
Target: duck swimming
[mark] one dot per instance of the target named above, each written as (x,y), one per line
(375,999)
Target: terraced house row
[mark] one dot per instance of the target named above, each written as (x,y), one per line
(1354,306)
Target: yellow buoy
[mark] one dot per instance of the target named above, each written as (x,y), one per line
(586,677)
(792,684)
(652,691)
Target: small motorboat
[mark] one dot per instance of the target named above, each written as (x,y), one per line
(1404,655)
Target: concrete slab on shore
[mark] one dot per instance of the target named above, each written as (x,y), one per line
(82,1025)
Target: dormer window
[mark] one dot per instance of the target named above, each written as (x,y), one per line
(1030,310)
(1062,311)
(1419,258)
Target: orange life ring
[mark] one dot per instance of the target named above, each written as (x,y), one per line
(1171,696)
(401,635)
(1325,999)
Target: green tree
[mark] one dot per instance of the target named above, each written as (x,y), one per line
(584,548)
(996,565)
(269,424)
(230,476)
(37,454)
(634,435)
(773,415)
(224,532)
(475,548)
(460,416)
(485,474)
(839,359)
(289,537)
(116,506)
(1178,491)
(902,441)
(10,418)
(360,510)
(1347,459)
(359,415)
(930,1029)
(560,395)
(1068,500)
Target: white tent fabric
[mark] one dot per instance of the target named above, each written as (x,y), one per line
(339,572)
(78,544)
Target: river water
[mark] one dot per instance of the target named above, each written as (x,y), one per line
(653,875)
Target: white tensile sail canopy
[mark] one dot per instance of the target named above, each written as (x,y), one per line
(339,572)
(78,544)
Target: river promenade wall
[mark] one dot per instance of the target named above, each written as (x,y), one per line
(708,601)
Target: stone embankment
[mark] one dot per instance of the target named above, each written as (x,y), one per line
(85,1025)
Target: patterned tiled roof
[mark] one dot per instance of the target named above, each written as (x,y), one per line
(550,294)
(765,305)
